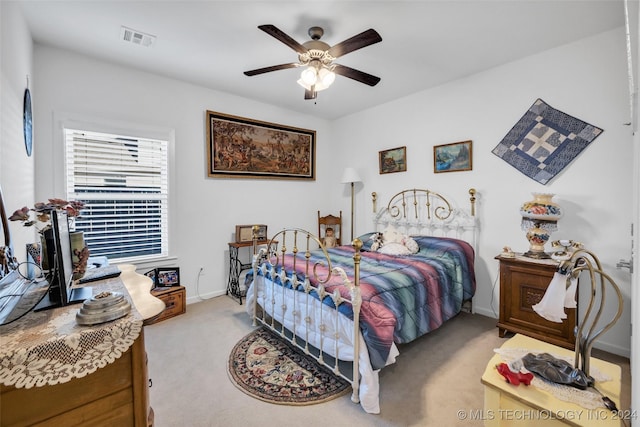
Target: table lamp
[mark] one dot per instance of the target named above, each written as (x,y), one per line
(561,293)
(539,219)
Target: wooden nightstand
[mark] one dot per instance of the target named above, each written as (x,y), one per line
(523,282)
(174,298)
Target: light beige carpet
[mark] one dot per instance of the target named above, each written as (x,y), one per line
(434,377)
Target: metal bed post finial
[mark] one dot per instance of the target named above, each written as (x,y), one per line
(472,200)
(254,238)
(374,198)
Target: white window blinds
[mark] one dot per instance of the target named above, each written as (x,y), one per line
(123,182)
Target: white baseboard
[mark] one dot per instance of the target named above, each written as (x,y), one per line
(612,348)
(484,312)
(601,345)
(202,297)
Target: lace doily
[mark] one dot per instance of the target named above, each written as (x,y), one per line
(588,399)
(49,347)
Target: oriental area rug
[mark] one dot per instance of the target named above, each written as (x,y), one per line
(268,368)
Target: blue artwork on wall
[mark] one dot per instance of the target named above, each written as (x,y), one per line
(544,141)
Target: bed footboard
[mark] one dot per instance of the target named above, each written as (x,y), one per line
(292,300)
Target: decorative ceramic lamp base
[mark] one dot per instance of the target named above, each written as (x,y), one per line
(537,237)
(539,219)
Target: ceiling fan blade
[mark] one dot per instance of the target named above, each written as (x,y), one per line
(310,94)
(357,75)
(356,42)
(272,68)
(284,38)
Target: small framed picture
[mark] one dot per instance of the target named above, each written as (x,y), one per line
(164,276)
(168,276)
(151,274)
(454,157)
(393,160)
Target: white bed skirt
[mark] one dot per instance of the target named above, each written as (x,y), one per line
(320,314)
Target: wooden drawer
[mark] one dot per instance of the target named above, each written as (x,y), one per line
(174,299)
(115,395)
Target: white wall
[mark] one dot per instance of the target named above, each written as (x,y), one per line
(586,79)
(204,210)
(16,168)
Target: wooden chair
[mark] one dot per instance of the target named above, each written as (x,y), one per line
(330,221)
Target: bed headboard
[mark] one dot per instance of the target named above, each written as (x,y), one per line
(424,212)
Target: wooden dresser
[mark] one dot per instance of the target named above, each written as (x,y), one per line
(113,387)
(523,282)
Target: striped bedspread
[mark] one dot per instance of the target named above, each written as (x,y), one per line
(403,297)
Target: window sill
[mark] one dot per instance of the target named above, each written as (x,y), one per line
(150,263)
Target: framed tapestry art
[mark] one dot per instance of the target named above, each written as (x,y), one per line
(238,147)
(393,160)
(544,141)
(454,157)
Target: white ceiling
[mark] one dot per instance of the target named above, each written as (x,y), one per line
(425,43)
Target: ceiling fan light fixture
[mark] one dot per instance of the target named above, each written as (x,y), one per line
(309,76)
(317,59)
(303,84)
(326,76)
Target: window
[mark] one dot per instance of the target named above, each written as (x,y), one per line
(123,182)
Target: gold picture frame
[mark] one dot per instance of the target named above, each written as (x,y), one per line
(393,160)
(454,157)
(238,147)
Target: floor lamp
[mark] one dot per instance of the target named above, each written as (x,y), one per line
(350,176)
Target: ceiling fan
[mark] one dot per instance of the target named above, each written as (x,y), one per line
(317,56)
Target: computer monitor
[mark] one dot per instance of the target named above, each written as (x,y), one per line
(61,292)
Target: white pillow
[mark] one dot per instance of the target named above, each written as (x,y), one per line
(394,248)
(411,244)
(391,235)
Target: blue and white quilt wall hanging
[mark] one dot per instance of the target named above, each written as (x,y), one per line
(544,141)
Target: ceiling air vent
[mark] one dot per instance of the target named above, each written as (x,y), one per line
(137,37)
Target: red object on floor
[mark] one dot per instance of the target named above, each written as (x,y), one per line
(514,378)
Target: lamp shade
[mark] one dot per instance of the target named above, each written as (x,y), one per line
(327,77)
(350,175)
(551,306)
(309,76)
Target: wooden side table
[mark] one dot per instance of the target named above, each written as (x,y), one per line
(523,282)
(528,406)
(236,266)
(174,298)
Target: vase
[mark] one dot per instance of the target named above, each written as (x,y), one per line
(79,254)
(540,218)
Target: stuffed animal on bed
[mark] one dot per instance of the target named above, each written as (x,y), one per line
(377,241)
(396,243)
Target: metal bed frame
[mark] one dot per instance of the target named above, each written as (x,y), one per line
(413,211)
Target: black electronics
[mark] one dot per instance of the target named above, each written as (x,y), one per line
(60,275)
(100,273)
